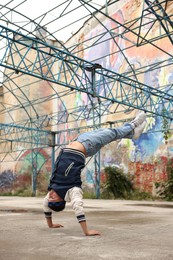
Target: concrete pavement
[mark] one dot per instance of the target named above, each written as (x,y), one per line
(129,230)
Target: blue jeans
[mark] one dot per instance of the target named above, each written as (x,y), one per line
(93,141)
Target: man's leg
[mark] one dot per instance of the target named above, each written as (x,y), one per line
(95,140)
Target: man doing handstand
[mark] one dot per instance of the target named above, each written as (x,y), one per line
(65,182)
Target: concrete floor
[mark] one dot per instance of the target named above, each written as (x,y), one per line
(130,230)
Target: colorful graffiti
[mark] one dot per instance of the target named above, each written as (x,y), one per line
(145,152)
(7,179)
(30,162)
(141,157)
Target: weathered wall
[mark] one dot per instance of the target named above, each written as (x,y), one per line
(145,159)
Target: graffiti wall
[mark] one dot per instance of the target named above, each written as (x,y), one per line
(145,159)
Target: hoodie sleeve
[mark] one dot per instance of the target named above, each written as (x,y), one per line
(76,198)
(47,211)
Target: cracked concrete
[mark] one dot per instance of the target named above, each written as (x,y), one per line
(130,230)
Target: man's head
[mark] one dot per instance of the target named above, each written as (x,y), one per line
(57,205)
(55,202)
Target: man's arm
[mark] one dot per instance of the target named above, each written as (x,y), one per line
(51,225)
(48,214)
(76,198)
(88,232)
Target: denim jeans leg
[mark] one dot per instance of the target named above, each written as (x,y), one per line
(93,141)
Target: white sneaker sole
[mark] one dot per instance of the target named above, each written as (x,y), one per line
(139,119)
(139,130)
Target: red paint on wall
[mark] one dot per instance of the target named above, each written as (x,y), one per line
(147,174)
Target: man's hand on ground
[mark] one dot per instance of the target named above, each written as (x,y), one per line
(93,233)
(56,226)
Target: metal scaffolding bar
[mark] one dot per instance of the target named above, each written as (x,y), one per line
(110,86)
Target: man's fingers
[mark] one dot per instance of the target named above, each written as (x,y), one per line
(93,233)
(57,226)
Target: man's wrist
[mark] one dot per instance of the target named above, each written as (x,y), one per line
(81,218)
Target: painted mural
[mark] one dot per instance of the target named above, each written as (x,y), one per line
(143,157)
(19,179)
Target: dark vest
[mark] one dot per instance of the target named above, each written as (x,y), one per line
(67,171)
